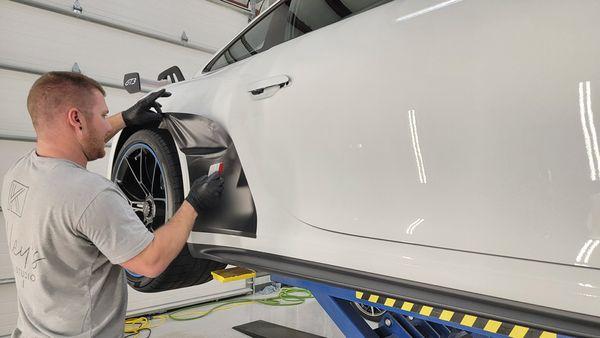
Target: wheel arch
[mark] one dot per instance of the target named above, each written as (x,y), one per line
(200,143)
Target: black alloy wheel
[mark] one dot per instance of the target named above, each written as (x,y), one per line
(140,175)
(148,172)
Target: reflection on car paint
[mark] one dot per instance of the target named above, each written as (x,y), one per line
(586,251)
(585,110)
(416,147)
(411,228)
(427,10)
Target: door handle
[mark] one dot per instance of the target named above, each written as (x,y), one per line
(267,87)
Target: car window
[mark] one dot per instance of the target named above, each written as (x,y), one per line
(261,36)
(288,20)
(309,15)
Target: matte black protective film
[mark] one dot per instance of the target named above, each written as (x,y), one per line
(204,143)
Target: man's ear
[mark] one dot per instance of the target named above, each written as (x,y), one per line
(74,118)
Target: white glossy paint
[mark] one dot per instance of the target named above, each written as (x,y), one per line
(493,173)
(588,144)
(415,142)
(427,10)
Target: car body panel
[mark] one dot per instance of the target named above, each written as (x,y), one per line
(447,142)
(496,165)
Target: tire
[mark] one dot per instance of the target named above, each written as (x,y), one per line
(369,312)
(155,153)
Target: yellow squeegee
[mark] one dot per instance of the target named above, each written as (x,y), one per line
(233,274)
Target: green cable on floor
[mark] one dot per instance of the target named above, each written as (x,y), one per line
(288,296)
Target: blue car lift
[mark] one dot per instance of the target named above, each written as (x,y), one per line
(403,318)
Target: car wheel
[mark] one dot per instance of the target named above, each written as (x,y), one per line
(369,312)
(148,172)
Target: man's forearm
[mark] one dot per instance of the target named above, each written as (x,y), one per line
(171,237)
(168,240)
(117,123)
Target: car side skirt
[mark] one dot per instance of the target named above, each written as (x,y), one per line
(560,321)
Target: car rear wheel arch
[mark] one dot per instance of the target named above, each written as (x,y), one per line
(202,143)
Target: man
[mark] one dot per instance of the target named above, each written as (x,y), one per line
(69,230)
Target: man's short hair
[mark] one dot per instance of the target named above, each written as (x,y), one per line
(54,92)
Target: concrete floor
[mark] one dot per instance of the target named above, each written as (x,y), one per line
(308,317)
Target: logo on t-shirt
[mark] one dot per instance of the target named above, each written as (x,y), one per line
(17,194)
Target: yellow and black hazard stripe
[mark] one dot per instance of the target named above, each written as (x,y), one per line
(464,319)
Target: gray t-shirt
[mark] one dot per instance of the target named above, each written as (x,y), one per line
(68,229)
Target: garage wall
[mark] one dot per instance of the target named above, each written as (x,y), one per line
(207,23)
(101,52)
(14,119)
(35,40)
(38,37)
(41,40)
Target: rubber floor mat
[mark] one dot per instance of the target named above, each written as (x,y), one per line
(263,329)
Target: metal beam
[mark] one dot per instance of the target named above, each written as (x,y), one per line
(7,281)
(30,138)
(116,25)
(10,137)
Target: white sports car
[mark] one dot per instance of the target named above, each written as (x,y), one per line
(441,151)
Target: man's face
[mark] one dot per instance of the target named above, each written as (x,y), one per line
(96,128)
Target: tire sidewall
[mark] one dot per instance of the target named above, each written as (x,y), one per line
(168,165)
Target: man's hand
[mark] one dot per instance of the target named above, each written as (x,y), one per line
(205,192)
(140,114)
(170,238)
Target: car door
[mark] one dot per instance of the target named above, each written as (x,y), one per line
(436,123)
(288,141)
(326,144)
(264,70)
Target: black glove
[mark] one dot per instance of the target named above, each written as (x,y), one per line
(205,192)
(140,114)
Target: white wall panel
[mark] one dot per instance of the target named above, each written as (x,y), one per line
(38,38)
(8,308)
(14,119)
(6,271)
(204,22)
(14,86)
